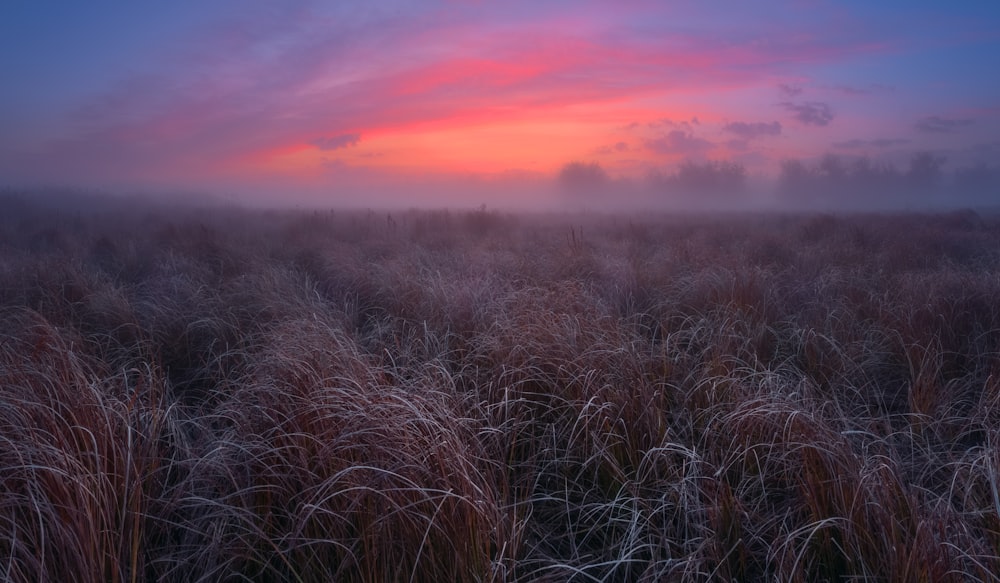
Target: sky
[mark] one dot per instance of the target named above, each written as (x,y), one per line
(470,102)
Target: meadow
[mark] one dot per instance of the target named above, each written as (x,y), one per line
(424,396)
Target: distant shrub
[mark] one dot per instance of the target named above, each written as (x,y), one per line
(861,183)
(584,178)
(695,184)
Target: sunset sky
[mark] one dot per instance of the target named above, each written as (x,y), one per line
(336,101)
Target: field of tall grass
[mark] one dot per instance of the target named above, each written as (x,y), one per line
(428,396)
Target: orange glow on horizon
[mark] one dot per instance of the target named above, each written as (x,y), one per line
(479,148)
(501,139)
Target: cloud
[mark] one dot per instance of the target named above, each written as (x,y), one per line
(876,143)
(940,125)
(789,90)
(867,90)
(679,142)
(752,130)
(336,142)
(815,113)
(666,122)
(986,147)
(617,148)
(981,153)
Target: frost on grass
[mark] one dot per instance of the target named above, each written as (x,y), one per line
(448,396)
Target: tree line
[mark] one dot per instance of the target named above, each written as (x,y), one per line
(840,180)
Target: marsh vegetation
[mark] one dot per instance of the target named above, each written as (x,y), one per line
(473,396)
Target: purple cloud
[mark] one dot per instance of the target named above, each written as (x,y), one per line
(789,90)
(876,143)
(666,122)
(752,130)
(941,125)
(987,148)
(857,91)
(679,142)
(815,113)
(617,148)
(336,142)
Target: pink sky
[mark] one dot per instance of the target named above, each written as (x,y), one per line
(478,100)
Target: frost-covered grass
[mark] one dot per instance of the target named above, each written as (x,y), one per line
(472,396)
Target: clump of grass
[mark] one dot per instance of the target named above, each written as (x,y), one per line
(82,459)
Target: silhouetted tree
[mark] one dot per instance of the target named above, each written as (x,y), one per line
(925,171)
(712,177)
(833,170)
(797,182)
(583,177)
(794,175)
(980,183)
(868,178)
(860,182)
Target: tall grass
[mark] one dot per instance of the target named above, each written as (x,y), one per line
(447,396)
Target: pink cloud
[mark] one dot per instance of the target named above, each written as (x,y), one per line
(678,142)
(336,142)
(814,113)
(752,130)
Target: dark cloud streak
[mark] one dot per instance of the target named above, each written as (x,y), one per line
(789,90)
(336,142)
(876,143)
(679,142)
(752,130)
(617,148)
(940,125)
(814,113)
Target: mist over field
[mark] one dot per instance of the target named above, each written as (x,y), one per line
(487,292)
